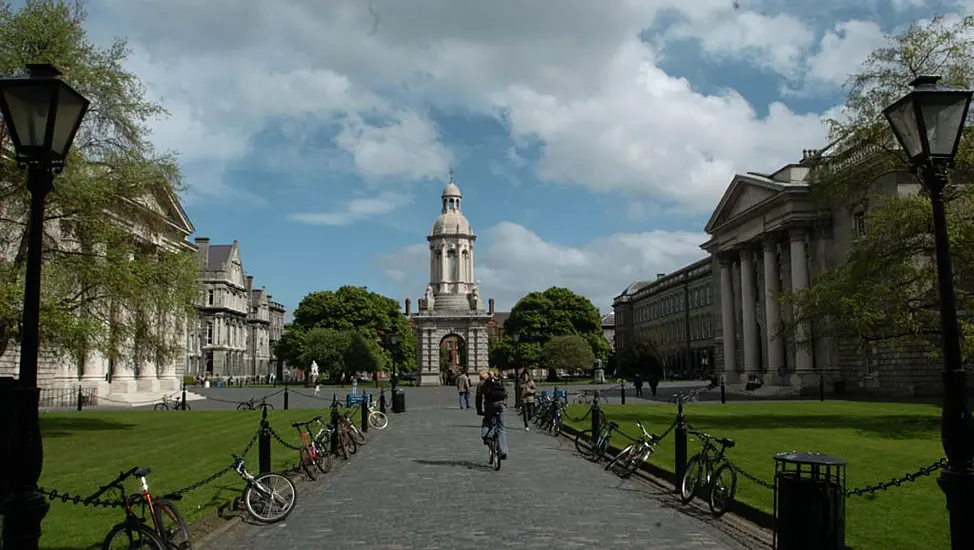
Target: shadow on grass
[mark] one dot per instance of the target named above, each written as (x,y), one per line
(470,465)
(63,426)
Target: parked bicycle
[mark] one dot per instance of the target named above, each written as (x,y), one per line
(377,418)
(354,431)
(688,396)
(709,470)
(269,497)
(494,443)
(587,397)
(254,404)
(594,448)
(636,453)
(170,404)
(310,457)
(168,531)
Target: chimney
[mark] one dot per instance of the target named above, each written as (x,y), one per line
(490,306)
(660,276)
(203,246)
(408,306)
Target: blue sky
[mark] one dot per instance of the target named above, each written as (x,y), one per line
(591,141)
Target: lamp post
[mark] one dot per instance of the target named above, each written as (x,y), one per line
(517,368)
(928,123)
(42,115)
(394,343)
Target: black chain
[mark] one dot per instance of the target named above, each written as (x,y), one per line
(897,481)
(218,474)
(753,478)
(280,440)
(75,499)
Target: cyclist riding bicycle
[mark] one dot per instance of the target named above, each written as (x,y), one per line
(491,396)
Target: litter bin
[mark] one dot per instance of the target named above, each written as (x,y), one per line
(398,401)
(809,502)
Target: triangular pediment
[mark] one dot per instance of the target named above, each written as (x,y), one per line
(168,207)
(745,192)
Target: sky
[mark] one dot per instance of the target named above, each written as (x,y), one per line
(591,139)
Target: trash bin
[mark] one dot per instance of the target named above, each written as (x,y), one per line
(809,502)
(398,401)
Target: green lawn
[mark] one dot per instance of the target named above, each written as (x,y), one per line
(879,440)
(84,451)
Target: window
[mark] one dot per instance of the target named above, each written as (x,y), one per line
(859,224)
(209,332)
(209,297)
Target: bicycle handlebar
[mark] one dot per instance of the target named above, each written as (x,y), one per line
(646,434)
(114,483)
(724,442)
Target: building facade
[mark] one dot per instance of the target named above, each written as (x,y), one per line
(451,313)
(276,330)
(237,322)
(609,329)
(769,237)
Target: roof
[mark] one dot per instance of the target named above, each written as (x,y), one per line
(451,190)
(217,256)
(501,316)
(451,223)
(609,319)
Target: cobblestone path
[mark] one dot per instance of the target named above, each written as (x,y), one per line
(423,483)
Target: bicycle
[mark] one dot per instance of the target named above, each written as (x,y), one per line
(586,398)
(253,404)
(170,404)
(308,450)
(135,527)
(264,491)
(594,448)
(377,419)
(705,470)
(494,443)
(354,431)
(637,452)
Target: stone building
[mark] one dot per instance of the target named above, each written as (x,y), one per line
(451,313)
(608,322)
(676,310)
(768,236)
(234,329)
(276,330)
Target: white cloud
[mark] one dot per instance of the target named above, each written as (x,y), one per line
(512,260)
(842,51)
(354,210)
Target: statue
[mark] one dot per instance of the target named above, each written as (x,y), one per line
(475,299)
(429,297)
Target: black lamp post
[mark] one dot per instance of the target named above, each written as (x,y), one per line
(928,123)
(517,368)
(42,115)
(394,343)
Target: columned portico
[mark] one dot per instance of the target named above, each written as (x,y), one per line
(799,281)
(772,317)
(749,324)
(728,318)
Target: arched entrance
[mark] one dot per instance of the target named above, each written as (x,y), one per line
(453,356)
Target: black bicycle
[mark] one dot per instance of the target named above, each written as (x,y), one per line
(711,471)
(160,526)
(254,404)
(170,404)
(494,442)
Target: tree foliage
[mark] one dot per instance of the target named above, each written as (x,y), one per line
(641,357)
(885,287)
(541,316)
(568,353)
(105,285)
(350,329)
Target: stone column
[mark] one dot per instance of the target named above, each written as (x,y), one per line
(773,342)
(749,325)
(799,281)
(727,317)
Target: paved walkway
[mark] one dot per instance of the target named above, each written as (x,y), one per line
(423,483)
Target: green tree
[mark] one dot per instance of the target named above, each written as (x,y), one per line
(641,357)
(371,315)
(326,347)
(541,316)
(362,354)
(568,353)
(104,288)
(884,290)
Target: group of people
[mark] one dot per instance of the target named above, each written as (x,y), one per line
(490,399)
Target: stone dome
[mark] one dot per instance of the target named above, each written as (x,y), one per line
(451,222)
(451,190)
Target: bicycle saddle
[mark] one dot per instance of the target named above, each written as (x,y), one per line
(142,472)
(726,442)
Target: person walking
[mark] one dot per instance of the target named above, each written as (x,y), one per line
(528,394)
(463,389)
(637,382)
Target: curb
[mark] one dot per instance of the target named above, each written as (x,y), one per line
(667,479)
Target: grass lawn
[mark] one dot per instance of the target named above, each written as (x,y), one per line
(83,451)
(879,440)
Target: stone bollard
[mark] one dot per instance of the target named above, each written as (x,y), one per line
(680,458)
(286,398)
(264,444)
(80,399)
(334,423)
(365,412)
(623,393)
(184,396)
(382,401)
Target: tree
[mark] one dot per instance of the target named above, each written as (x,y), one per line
(567,353)
(104,287)
(353,308)
(327,347)
(641,357)
(541,316)
(884,291)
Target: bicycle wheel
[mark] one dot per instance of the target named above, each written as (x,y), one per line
(723,486)
(270,498)
(174,531)
(633,463)
(322,459)
(307,464)
(268,406)
(495,444)
(185,407)
(126,537)
(244,407)
(352,446)
(356,434)
(691,479)
(620,458)
(584,444)
(161,407)
(378,420)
